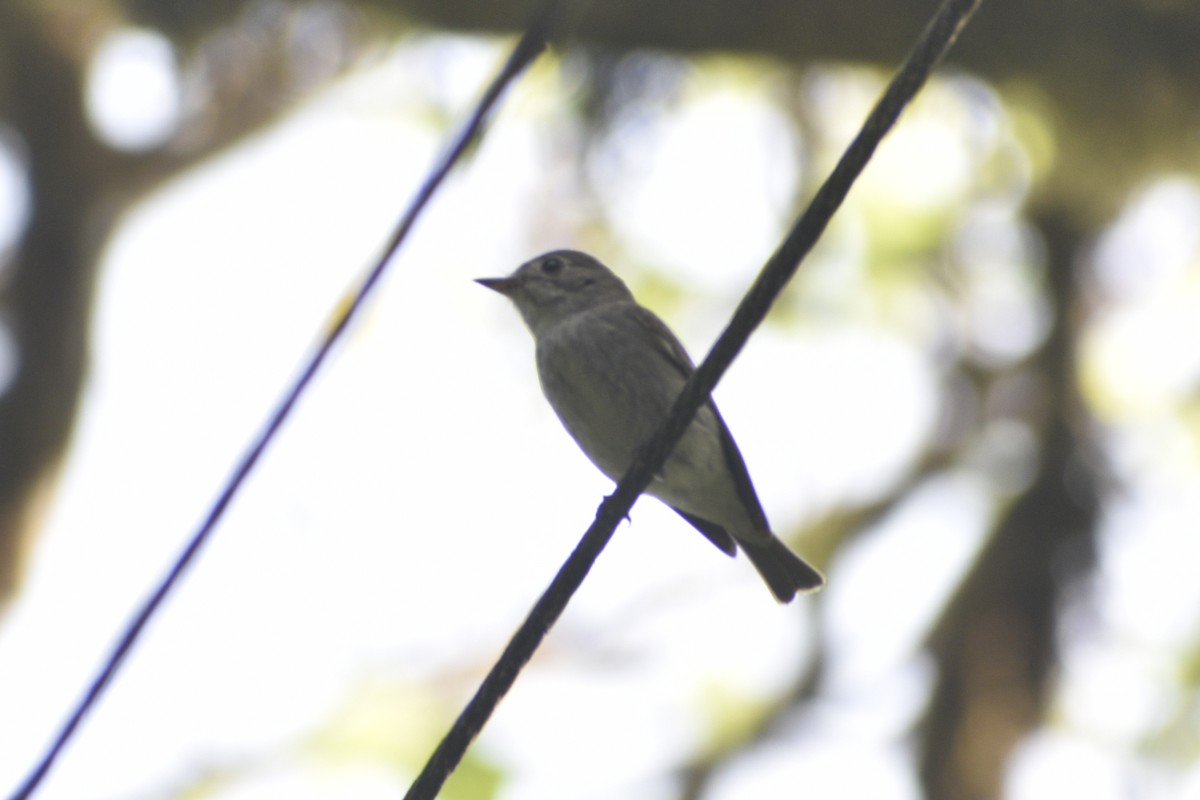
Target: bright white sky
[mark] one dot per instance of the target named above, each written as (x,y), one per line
(423,494)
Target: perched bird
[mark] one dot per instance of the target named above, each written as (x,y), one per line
(611,370)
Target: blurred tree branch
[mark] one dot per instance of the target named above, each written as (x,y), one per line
(79,186)
(46,295)
(996,642)
(1112,80)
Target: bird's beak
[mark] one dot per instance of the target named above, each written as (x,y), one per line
(505,286)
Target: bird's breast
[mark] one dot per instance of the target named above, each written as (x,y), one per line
(602,389)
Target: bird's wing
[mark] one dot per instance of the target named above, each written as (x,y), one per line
(669,347)
(665,342)
(712,531)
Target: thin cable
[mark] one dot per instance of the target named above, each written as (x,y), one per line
(937,38)
(526,50)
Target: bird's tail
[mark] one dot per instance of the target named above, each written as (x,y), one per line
(784,571)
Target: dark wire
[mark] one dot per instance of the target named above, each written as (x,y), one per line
(526,50)
(937,38)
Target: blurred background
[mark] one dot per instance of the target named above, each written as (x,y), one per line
(977,408)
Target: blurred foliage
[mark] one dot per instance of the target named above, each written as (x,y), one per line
(1110,80)
(1093,98)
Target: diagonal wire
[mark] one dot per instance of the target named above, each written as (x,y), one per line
(524,52)
(937,38)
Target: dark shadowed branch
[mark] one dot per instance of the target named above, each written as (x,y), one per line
(995,645)
(78,186)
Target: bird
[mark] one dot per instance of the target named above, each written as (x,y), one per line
(611,370)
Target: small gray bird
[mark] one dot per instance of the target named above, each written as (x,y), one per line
(611,370)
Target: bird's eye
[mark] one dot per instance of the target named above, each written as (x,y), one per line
(552,266)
